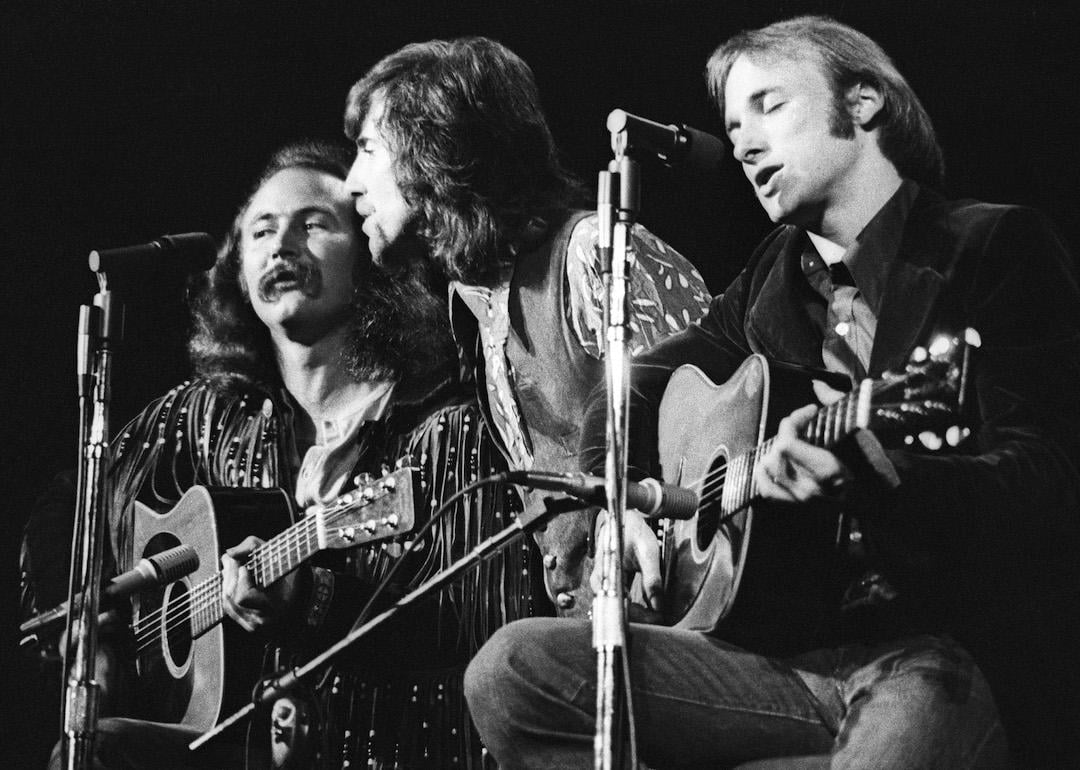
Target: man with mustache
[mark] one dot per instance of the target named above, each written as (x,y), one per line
(313,367)
(964,603)
(456,166)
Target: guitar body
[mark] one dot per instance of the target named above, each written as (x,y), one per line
(192,675)
(766,577)
(191,667)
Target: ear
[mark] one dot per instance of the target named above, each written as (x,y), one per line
(864,102)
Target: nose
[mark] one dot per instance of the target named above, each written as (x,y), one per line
(285,241)
(748,143)
(354,181)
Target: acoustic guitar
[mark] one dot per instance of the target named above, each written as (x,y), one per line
(762,575)
(191,668)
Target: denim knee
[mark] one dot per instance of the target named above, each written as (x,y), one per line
(490,679)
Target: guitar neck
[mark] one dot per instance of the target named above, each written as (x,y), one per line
(279,556)
(268,563)
(837,420)
(829,426)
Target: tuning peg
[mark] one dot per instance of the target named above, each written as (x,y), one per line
(390,483)
(930,440)
(941,345)
(955,434)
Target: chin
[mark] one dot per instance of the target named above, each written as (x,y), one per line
(775,213)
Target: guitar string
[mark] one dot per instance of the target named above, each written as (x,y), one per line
(206,594)
(828,424)
(268,555)
(148,628)
(713,482)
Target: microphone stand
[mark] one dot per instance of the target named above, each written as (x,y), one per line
(100,331)
(609,617)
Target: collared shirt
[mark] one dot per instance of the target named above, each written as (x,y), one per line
(326,467)
(490,305)
(852,283)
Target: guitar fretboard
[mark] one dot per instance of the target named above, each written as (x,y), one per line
(268,563)
(830,424)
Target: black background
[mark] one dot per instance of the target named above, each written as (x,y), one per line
(125,120)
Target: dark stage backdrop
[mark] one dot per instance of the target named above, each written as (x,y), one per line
(125,120)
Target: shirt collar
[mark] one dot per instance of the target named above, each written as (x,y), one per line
(871,257)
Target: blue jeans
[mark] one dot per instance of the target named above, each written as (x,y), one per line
(913,703)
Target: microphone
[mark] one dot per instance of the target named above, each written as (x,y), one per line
(651,497)
(189,252)
(674,145)
(161,568)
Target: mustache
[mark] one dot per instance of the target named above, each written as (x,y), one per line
(290,274)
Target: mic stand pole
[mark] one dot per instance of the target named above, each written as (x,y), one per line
(609,617)
(274,689)
(100,329)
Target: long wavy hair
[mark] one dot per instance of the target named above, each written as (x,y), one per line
(847,57)
(399,327)
(474,156)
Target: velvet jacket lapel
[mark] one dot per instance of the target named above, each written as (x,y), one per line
(926,258)
(786,315)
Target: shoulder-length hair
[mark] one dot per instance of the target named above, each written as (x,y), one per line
(473,153)
(399,328)
(847,57)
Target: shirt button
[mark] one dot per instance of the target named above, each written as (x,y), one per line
(843,328)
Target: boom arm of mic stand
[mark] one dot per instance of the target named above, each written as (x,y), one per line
(523,524)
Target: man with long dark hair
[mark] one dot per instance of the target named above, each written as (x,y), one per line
(456,166)
(313,367)
(967,550)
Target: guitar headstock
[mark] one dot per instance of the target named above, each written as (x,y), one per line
(376,510)
(926,397)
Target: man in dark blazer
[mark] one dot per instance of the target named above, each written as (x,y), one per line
(965,603)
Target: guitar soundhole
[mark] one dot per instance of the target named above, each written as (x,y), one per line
(177,622)
(164,626)
(710,510)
